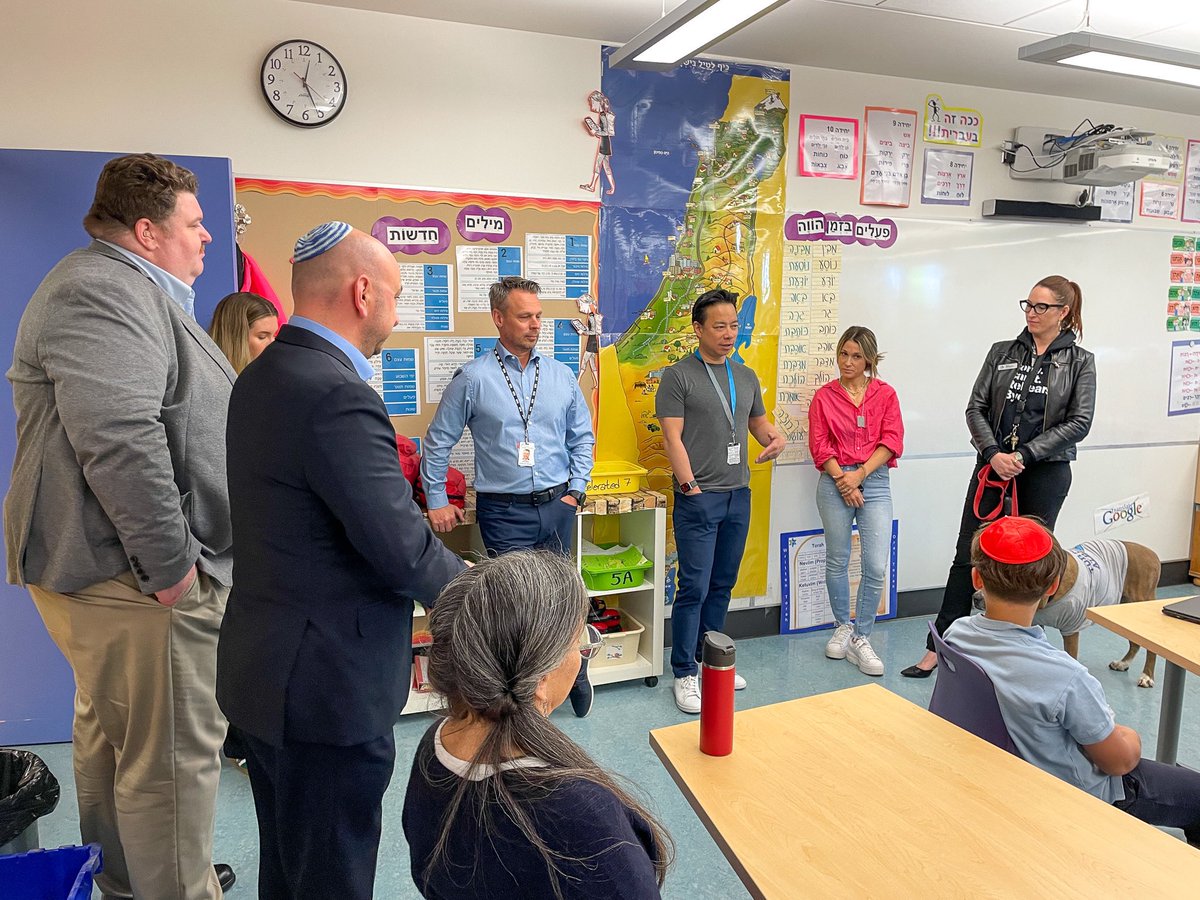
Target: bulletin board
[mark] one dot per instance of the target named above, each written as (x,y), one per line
(450,247)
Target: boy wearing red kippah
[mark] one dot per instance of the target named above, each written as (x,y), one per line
(1054,708)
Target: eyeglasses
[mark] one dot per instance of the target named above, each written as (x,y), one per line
(588,648)
(1040,308)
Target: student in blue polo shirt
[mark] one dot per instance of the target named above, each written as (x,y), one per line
(1055,710)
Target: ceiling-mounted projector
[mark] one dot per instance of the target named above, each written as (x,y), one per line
(1111,162)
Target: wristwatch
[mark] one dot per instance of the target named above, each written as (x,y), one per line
(1019,457)
(687,486)
(580,497)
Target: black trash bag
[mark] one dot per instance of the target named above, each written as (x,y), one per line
(28,791)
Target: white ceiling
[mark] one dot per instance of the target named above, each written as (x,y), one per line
(957,41)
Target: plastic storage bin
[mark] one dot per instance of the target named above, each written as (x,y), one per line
(620,647)
(614,572)
(615,476)
(62,874)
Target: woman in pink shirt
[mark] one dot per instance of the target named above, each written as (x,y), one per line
(855,435)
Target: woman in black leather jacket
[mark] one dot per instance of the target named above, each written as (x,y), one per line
(1026,434)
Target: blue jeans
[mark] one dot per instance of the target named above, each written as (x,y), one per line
(710,535)
(874,519)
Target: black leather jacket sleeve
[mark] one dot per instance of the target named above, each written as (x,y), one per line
(1075,421)
(979,406)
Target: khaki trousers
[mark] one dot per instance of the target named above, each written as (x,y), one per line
(147,732)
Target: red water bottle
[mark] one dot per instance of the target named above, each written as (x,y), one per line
(716,695)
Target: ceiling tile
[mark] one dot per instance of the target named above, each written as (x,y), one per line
(986,12)
(1119,18)
(1183,37)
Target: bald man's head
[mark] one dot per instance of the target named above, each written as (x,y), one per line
(350,288)
(319,281)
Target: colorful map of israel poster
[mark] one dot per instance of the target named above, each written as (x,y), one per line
(696,162)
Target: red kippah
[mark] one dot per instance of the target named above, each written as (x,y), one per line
(1015,540)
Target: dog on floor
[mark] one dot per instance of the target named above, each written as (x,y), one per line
(1102,573)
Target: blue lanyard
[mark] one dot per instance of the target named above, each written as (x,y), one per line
(731,405)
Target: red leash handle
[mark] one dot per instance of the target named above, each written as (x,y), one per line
(985,482)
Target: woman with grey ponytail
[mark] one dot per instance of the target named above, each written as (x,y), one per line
(500,803)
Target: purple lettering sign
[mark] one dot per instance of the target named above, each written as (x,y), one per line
(478,224)
(849,229)
(410,236)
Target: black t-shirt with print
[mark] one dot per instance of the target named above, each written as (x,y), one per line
(1033,417)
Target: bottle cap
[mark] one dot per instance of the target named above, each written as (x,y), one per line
(719,651)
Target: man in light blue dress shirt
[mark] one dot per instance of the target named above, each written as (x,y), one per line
(533,440)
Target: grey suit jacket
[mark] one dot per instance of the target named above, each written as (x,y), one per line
(121,401)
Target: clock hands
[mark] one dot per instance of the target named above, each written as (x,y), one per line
(304,83)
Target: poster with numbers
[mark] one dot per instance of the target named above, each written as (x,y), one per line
(889,138)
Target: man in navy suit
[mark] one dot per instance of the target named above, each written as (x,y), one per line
(330,552)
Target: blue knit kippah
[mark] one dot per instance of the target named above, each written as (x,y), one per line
(320,239)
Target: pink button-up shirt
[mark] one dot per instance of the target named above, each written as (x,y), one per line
(834,431)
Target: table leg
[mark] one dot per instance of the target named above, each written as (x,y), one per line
(1170,713)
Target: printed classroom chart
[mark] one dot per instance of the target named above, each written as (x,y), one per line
(889,138)
(424,303)
(828,147)
(478,269)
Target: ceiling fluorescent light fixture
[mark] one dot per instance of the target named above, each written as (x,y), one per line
(691,27)
(1116,55)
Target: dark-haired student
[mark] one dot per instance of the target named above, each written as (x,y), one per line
(707,404)
(501,803)
(1054,709)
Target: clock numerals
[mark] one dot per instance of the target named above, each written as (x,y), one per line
(303,83)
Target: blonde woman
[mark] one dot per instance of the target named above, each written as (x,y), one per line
(243,324)
(855,435)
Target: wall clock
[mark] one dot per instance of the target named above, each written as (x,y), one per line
(303,83)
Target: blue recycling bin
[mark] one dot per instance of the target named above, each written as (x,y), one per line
(62,874)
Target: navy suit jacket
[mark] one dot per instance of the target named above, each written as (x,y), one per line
(329,549)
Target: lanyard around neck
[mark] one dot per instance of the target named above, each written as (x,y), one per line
(525,414)
(728,406)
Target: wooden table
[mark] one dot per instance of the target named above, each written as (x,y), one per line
(1176,641)
(860,793)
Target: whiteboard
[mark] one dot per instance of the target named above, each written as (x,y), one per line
(946,291)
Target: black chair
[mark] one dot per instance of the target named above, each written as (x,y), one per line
(966,696)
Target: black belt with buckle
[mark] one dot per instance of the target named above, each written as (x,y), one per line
(537,498)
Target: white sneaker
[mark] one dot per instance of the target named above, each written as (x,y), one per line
(840,640)
(739,683)
(687,694)
(862,654)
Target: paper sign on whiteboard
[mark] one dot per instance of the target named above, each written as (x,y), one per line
(828,147)
(946,179)
(1184,394)
(1114,515)
(1176,148)
(1191,183)
(1115,202)
(889,136)
(952,124)
(1160,200)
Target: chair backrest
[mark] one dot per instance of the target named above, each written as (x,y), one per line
(966,696)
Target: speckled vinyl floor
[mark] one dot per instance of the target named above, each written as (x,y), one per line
(778,668)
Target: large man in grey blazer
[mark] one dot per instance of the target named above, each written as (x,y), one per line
(118,522)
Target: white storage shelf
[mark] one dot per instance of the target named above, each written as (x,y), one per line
(647,530)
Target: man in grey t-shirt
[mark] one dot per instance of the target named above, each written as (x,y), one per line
(707,404)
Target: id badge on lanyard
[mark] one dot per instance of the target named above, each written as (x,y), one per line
(733,452)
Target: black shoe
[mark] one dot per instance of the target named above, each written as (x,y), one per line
(226,877)
(582,692)
(916,672)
